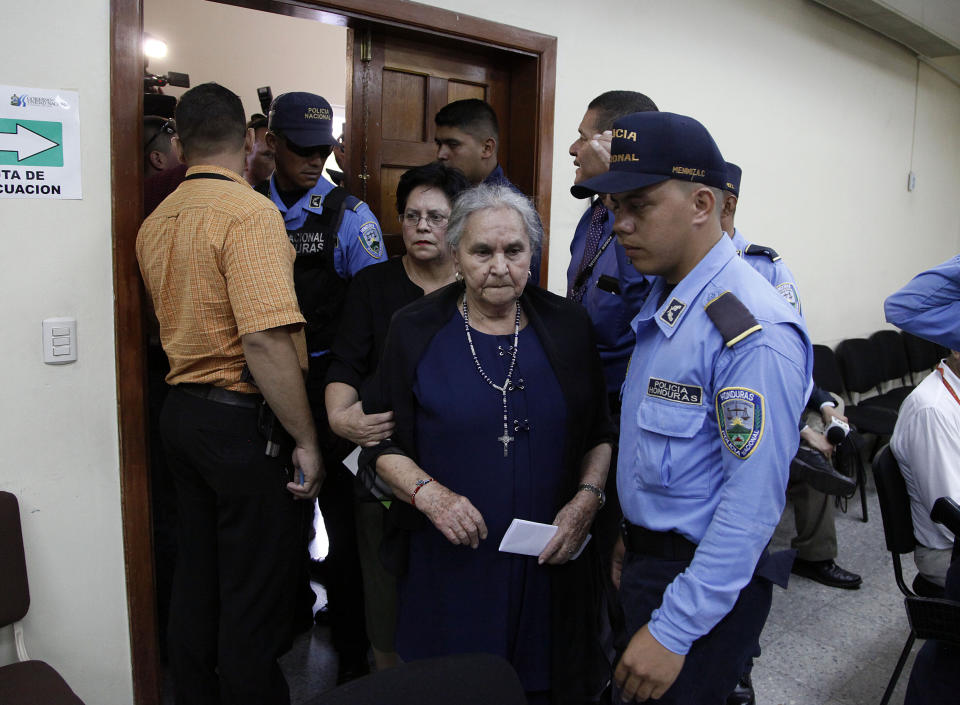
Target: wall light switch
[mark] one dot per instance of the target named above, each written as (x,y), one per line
(59,340)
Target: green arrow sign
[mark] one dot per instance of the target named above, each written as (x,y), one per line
(31,142)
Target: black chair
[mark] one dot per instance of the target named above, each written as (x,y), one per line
(26,682)
(894,366)
(862,370)
(465,679)
(874,420)
(868,419)
(922,355)
(929,617)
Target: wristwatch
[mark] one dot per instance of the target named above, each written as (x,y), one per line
(601,495)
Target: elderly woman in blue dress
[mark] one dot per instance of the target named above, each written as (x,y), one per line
(500,410)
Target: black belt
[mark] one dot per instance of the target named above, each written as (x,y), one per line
(668,545)
(221,395)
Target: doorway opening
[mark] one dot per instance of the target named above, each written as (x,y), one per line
(387,48)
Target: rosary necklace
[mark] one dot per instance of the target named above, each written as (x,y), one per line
(506,438)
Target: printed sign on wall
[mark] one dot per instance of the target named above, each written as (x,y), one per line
(39,143)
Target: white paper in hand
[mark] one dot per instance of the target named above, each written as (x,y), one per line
(529,538)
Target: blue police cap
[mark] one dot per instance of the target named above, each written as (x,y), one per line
(305,119)
(652,147)
(732,179)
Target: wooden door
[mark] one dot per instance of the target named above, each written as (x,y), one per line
(398,84)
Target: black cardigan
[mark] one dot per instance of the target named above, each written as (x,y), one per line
(579,668)
(375,294)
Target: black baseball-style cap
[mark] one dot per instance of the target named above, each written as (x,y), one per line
(732,179)
(651,147)
(305,119)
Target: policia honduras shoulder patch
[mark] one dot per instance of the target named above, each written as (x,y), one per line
(789,292)
(740,416)
(370,238)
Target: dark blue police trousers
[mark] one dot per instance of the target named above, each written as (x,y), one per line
(716,660)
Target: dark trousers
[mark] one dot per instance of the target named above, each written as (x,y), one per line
(233,587)
(341,568)
(717,659)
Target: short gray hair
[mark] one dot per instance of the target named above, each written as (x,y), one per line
(492,197)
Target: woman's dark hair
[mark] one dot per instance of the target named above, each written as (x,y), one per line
(436,175)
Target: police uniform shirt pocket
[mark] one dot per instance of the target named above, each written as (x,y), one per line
(666,449)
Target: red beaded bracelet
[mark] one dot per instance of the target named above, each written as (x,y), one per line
(420,485)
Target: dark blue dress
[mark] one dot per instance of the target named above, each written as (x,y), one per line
(454,599)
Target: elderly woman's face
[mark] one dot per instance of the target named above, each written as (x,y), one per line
(425,223)
(494,255)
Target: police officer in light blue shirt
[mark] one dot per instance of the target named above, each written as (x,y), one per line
(335,236)
(599,275)
(716,383)
(929,306)
(764,259)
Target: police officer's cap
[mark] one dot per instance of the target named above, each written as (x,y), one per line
(652,147)
(305,119)
(732,179)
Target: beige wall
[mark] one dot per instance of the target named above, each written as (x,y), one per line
(819,112)
(58,425)
(245,49)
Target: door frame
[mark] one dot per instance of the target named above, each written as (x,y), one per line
(126,110)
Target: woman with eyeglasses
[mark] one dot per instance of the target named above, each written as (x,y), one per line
(425,197)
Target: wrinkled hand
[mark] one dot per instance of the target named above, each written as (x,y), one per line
(308,468)
(828,413)
(360,428)
(616,562)
(453,515)
(817,441)
(646,668)
(573,520)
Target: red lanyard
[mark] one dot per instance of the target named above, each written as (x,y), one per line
(946,384)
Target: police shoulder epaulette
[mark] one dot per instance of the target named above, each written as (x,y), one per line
(732,318)
(762,250)
(353,203)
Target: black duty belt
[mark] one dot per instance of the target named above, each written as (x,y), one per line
(668,545)
(221,395)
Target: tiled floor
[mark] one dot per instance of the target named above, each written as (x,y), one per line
(821,645)
(837,647)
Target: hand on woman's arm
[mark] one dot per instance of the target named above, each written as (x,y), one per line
(347,420)
(576,516)
(453,514)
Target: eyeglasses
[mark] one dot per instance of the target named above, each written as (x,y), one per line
(169,127)
(433,218)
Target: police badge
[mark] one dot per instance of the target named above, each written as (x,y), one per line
(789,292)
(370,239)
(740,416)
(672,312)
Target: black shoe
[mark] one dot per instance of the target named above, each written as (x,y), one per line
(743,694)
(812,467)
(827,573)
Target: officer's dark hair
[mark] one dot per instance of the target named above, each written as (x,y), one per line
(613,105)
(257,120)
(448,179)
(472,115)
(157,131)
(210,120)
